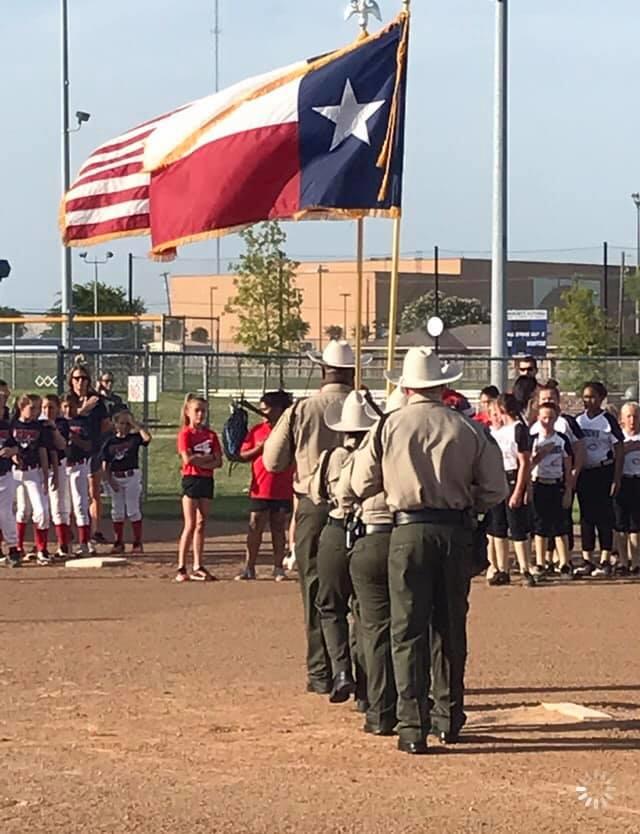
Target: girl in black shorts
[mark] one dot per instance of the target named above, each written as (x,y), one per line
(510,519)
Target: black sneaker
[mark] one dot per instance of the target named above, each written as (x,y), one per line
(585,569)
(99,538)
(566,572)
(499,578)
(621,570)
(528,580)
(603,569)
(635,571)
(14,559)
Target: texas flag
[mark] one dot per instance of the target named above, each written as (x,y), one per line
(323,138)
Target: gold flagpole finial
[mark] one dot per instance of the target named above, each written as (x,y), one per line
(406,4)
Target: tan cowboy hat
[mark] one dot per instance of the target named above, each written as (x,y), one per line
(354,414)
(422,369)
(338,354)
(397,399)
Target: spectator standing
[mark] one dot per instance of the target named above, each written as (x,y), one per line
(488,397)
(270,493)
(201,454)
(91,405)
(112,401)
(627,501)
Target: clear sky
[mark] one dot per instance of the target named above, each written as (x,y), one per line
(575,121)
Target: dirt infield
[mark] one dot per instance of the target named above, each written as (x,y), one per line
(131,704)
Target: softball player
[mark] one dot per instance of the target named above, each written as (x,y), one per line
(599,480)
(510,519)
(552,492)
(78,469)
(8,450)
(627,502)
(59,492)
(32,469)
(120,455)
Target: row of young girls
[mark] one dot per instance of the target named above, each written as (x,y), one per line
(270,494)
(45,470)
(549,458)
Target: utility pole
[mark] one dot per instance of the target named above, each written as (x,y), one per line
(321,270)
(605,278)
(500,193)
(165,275)
(621,301)
(66,288)
(130,272)
(636,200)
(436,271)
(216,58)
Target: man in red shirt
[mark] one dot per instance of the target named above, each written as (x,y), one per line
(271,493)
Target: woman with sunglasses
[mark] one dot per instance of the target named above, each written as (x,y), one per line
(91,406)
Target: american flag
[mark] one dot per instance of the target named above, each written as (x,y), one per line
(110,197)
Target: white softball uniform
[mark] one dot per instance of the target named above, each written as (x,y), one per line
(7,513)
(60,499)
(31,481)
(125,503)
(23,505)
(79,487)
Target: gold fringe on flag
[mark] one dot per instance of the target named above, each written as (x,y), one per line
(187,144)
(386,154)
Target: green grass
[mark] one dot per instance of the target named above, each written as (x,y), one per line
(231,502)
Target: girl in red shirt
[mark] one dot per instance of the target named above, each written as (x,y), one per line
(271,494)
(200,452)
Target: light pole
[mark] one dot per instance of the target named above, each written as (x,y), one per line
(345,295)
(97,262)
(636,199)
(66,289)
(321,271)
(212,318)
(500,191)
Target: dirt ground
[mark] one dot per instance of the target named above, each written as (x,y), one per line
(132,704)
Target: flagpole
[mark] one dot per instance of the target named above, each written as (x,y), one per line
(393,298)
(360,259)
(395,277)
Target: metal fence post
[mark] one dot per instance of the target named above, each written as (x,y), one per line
(13,356)
(145,420)
(162,350)
(205,377)
(100,348)
(60,369)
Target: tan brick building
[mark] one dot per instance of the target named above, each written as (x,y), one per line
(203,299)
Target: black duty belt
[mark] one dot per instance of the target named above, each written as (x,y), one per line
(599,465)
(335,522)
(378,528)
(430,516)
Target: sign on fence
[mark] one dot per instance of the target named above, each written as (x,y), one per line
(135,389)
(527,332)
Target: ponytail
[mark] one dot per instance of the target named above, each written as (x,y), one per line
(190,398)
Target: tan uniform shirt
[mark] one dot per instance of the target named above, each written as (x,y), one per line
(373,510)
(429,456)
(303,442)
(340,501)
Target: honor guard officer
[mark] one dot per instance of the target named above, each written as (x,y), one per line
(352,419)
(300,437)
(436,468)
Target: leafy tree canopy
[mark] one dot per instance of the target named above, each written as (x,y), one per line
(453,310)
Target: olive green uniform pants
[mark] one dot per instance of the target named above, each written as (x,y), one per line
(429,570)
(334,592)
(370,578)
(310,522)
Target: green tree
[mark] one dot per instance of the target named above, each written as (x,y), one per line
(581,333)
(333,331)
(112,301)
(267,301)
(453,310)
(5,329)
